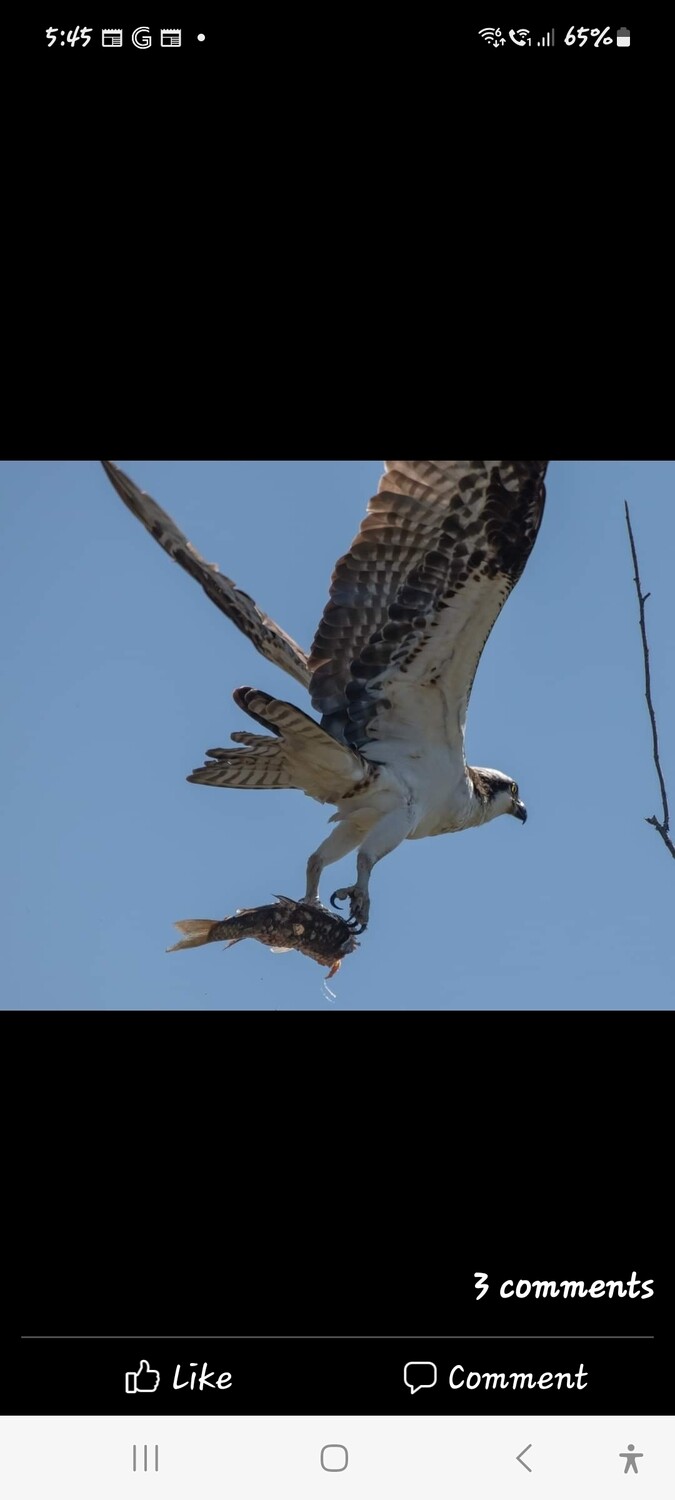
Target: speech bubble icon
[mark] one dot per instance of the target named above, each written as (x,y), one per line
(423,1377)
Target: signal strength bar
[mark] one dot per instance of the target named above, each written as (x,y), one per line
(548,40)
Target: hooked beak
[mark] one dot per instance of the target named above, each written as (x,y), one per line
(520,812)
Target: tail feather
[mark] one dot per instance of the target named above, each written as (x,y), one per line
(301,755)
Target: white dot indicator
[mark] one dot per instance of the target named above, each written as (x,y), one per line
(201,37)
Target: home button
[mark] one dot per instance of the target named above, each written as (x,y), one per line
(334,1458)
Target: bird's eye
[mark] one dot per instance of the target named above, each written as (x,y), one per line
(514,789)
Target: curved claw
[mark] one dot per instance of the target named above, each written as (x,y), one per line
(354,922)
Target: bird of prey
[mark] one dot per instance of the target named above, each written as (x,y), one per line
(392,664)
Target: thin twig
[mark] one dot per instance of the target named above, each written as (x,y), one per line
(661,826)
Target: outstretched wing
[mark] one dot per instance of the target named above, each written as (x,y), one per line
(414,600)
(267,637)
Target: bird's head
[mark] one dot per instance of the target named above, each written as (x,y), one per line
(496,794)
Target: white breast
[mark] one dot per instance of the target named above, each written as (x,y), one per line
(434,777)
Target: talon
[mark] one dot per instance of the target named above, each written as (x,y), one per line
(358,907)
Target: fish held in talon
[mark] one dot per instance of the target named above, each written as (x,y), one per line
(287,925)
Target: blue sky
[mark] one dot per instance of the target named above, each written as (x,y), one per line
(117,674)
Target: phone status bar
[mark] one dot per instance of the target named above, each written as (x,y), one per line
(173,38)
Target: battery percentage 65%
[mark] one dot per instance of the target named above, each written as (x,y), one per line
(582,33)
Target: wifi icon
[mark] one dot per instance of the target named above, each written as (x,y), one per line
(494,37)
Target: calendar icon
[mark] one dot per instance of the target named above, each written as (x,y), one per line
(110,37)
(169,38)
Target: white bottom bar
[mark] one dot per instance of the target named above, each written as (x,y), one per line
(395,1458)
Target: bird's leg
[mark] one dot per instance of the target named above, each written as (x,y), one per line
(340,842)
(386,836)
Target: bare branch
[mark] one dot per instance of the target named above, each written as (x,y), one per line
(662,826)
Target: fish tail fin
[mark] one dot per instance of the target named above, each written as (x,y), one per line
(197,931)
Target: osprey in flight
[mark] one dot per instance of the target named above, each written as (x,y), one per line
(392,664)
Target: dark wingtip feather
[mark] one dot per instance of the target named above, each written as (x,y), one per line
(242,697)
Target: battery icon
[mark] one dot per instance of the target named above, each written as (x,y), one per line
(623,37)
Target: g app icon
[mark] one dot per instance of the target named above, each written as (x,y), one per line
(141,37)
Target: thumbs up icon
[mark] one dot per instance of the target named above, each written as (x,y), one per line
(142,1379)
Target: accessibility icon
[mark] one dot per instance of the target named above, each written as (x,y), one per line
(630,1458)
